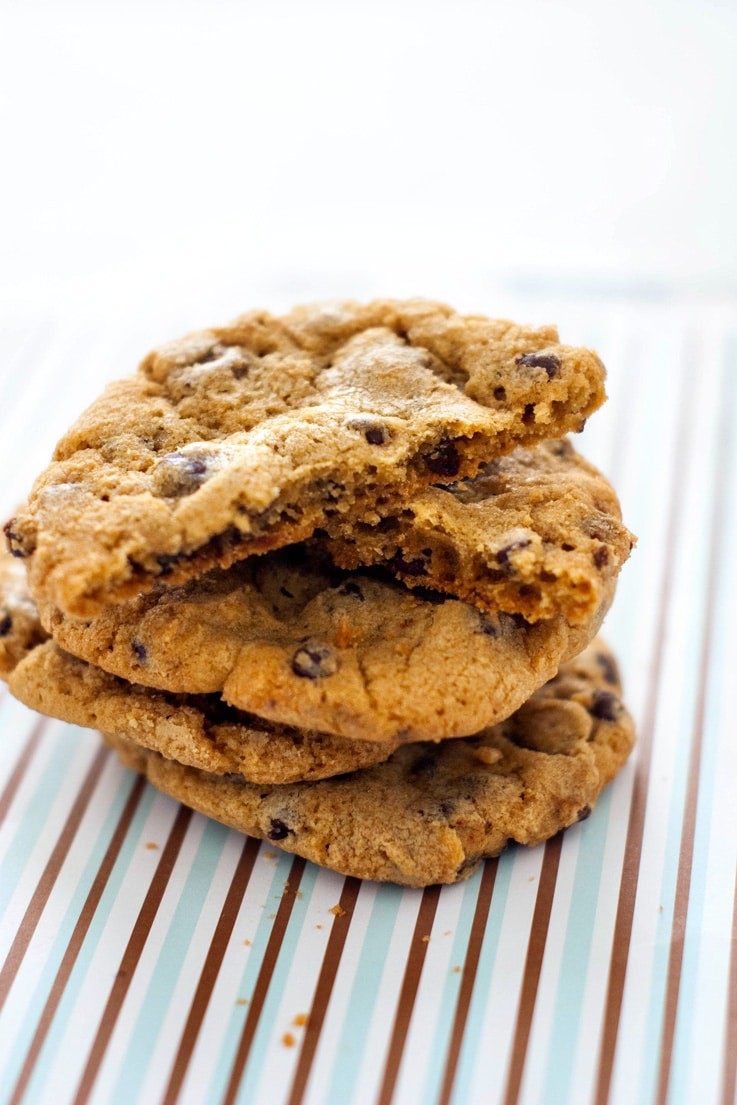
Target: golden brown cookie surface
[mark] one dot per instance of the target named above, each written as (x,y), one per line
(536,533)
(289,637)
(432,812)
(250,436)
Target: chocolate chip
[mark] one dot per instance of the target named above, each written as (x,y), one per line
(180,474)
(548,361)
(567,548)
(278,830)
(314,661)
(166,563)
(212,354)
(529,414)
(605,706)
(374,431)
(608,667)
(500,394)
(140,650)
(404,567)
(560,448)
(6,624)
(350,587)
(445,460)
(17,545)
(502,557)
(489,624)
(584,813)
(601,556)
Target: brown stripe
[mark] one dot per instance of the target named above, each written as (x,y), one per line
(533,966)
(324,988)
(685,859)
(77,940)
(635,827)
(729,1069)
(408,993)
(263,981)
(19,771)
(211,969)
(132,954)
(468,979)
(45,884)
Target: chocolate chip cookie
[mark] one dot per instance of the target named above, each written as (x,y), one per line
(248,437)
(20,628)
(197,730)
(289,637)
(536,533)
(432,812)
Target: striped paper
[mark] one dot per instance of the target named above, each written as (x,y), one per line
(149,955)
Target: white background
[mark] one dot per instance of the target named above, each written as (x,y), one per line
(348,148)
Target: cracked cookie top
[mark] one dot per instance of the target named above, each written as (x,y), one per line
(536,533)
(432,812)
(290,637)
(249,437)
(198,730)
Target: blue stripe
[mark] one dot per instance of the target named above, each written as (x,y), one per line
(482,984)
(173,951)
(362,1003)
(37,1088)
(446,1012)
(267,1026)
(696,931)
(235,1022)
(32,824)
(27,1027)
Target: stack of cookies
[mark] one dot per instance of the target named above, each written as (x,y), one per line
(335,579)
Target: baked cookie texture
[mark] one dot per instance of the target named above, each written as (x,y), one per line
(20,628)
(432,812)
(197,730)
(537,533)
(290,638)
(248,437)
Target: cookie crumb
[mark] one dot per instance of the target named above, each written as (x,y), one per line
(456,970)
(448,932)
(241,1001)
(337,911)
(247,943)
(288,1039)
(425,939)
(488,755)
(318,926)
(300,1020)
(271,917)
(269,855)
(151,845)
